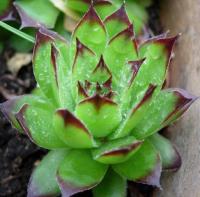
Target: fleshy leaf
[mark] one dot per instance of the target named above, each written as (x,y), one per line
(157,54)
(171,159)
(117,22)
(136,114)
(165,108)
(40,131)
(100,115)
(72,131)
(79,172)
(91,25)
(12,106)
(51,68)
(32,14)
(112,186)
(115,57)
(117,151)
(143,167)
(101,73)
(43,180)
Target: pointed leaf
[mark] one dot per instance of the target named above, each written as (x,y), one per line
(32,13)
(52,69)
(79,172)
(115,57)
(72,131)
(143,167)
(12,106)
(101,73)
(40,131)
(165,108)
(117,151)
(43,180)
(157,54)
(112,186)
(117,22)
(170,157)
(135,115)
(99,114)
(91,25)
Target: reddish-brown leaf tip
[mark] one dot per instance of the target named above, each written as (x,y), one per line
(135,66)
(183,102)
(21,120)
(147,96)
(123,150)
(128,33)
(68,189)
(153,178)
(70,119)
(102,66)
(90,16)
(119,15)
(98,101)
(81,90)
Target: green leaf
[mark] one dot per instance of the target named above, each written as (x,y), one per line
(143,167)
(12,106)
(43,180)
(101,73)
(112,186)
(171,159)
(84,63)
(165,108)
(79,172)
(100,115)
(36,122)
(52,69)
(35,13)
(156,54)
(116,151)
(117,22)
(91,25)
(72,131)
(115,57)
(135,115)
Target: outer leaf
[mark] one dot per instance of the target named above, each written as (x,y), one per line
(52,68)
(157,53)
(171,159)
(112,186)
(40,131)
(91,25)
(144,166)
(12,106)
(166,107)
(43,180)
(79,172)
(101,115)
(71,131)
(36,13)
(117,151)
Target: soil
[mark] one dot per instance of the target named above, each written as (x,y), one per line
(18,156)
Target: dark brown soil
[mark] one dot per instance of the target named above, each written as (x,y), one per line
(18,155)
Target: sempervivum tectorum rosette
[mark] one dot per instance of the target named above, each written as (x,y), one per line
(99,105)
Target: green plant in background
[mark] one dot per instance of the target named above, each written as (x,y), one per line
(98,108)
(63,15)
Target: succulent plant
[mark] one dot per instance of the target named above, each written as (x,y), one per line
(99,105)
